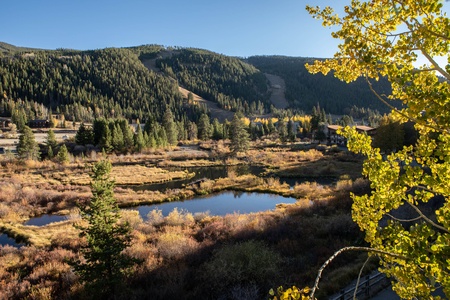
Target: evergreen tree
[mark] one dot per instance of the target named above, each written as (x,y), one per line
(217,130)
(171,128)
(63,155)
(105,142)
(139,142)
(50,153)
(291,131)
(105,264)
(282,130)
(204,128)
(128,141)
(240,140)
(84,135)
(51,143)
(27,148)
(117,138)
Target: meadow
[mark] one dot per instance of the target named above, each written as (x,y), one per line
(184,255)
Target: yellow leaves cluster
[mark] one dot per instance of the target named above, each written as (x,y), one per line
(293,293)
(386,38)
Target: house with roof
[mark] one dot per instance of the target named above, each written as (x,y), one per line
(335,139)
(42,123)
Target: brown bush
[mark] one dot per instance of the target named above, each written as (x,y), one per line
(174,244)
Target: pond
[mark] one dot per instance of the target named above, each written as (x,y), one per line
(212,173)
(6,240)
(220,204)
(45,219)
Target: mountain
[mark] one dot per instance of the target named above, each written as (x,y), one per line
(144,81)
(305,90)
(87,84)
(8,48)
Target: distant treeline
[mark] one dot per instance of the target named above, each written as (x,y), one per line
(305,90)
(114,83)
(92,84)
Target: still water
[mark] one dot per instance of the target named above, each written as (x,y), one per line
(220,204)
(200,172)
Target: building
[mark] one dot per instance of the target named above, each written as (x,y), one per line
(39,123)
(336,139)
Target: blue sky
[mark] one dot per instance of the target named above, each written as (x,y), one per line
(233,27)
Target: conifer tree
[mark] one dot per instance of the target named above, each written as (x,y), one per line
(204,128)
(171,128)
(63,155)
(240,140)
(139,142)
(27,148)
(105,265)
(51,143)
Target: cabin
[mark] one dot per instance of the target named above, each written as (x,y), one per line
(336,139)
(39,123)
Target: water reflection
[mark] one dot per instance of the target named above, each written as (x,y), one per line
(45,219)
(6,240)
(212,173)
(220,204)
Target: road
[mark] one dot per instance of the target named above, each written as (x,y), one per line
(40,137)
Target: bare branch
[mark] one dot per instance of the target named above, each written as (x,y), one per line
(350,248)
(429,221)
(403,220)
(435,64)
(359,277)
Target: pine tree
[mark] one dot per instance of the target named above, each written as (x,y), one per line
(139,142)
(27,148)
(63,155)
(171,128)
(105,264)
(240,140)
(204,128)
(51,143)
(84,135)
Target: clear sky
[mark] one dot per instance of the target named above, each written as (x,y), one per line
(232,27)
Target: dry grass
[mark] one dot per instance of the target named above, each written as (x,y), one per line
(174,244)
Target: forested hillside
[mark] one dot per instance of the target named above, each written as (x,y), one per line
(234,84)
(114,82)
(88,84)
(304,90)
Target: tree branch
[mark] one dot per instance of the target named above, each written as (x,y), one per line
(429,221)
(359,277)
(350,248)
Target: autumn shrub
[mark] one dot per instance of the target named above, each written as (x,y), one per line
(155,217)
(179,217)
(173,244)
(131,217)
(243,264)
(310,155)
(344,184)
(310,190)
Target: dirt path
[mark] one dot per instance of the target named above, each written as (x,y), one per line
(278,88)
